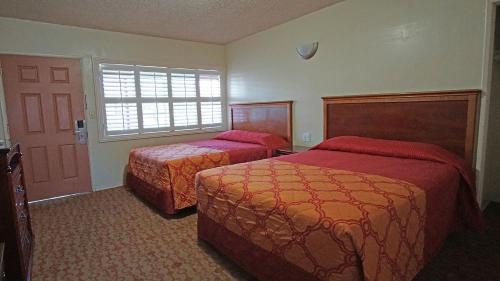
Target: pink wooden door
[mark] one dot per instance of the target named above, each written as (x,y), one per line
(44,97)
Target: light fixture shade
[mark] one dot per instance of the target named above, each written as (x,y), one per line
(307,51)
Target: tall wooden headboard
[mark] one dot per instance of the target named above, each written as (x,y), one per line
(447,118)
(267,117)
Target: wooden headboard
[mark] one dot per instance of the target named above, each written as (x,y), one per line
(447,118)
(267,117)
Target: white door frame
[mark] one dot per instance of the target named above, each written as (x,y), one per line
(489,40)
(3,110)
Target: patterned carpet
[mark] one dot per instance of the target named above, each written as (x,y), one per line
(111,235)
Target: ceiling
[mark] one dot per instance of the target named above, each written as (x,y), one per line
(211,21)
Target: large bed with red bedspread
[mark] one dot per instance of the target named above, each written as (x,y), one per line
(352,208)
(164,175)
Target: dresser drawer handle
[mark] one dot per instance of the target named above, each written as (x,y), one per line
(19,189)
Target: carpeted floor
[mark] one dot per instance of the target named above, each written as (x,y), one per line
(469,255)
(111,235)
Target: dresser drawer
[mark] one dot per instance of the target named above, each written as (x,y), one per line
(17,186)
(22,221)
(15,225)
(2,261)
(16,176)
(19,195)
(24,237)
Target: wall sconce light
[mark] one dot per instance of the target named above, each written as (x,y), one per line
(307,51)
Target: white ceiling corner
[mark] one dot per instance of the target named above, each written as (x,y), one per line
(210,21)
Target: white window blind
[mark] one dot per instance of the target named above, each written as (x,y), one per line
(119,93)
(183,85)
(211,110)
(143,100)
(185,114)
(155,102)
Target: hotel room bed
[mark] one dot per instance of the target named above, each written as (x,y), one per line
(350,209)
(164,175)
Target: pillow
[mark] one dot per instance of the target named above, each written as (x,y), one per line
(268,140)
(399,149)
(394,148)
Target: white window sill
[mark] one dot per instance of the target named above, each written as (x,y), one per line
(112,138)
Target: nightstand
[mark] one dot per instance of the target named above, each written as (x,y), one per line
(291,150)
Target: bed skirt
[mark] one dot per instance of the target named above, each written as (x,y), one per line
(255,260)
(161,199)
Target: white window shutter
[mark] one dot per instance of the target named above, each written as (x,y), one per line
(211,112)
(118,83)
(154,100)
(185,114)
(154,84)
(183,85)
(155,115)
(120,106)
(211,109)
(210,86)
(145,99)
(121,117)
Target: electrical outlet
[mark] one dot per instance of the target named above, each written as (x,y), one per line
(306,137)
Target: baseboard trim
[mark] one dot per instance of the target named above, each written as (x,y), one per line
(58,197)
(106,188)
(73,195)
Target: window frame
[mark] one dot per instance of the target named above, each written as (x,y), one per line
(142,133)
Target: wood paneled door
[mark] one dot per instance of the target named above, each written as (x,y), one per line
(44,98)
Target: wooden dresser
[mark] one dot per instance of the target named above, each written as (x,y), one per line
(15,221)
(2,271)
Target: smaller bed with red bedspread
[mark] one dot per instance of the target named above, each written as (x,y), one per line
(349,209)
(164,175)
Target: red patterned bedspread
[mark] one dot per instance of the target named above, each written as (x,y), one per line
(439,181)
(172,168)
(336,215)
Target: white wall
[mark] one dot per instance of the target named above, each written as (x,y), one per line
(365,46)
(107,159)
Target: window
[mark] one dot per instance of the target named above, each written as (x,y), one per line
(140,100)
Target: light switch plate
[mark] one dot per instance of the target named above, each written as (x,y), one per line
(306,137)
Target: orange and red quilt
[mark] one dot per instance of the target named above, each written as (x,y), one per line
(172,168)
(332,224)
